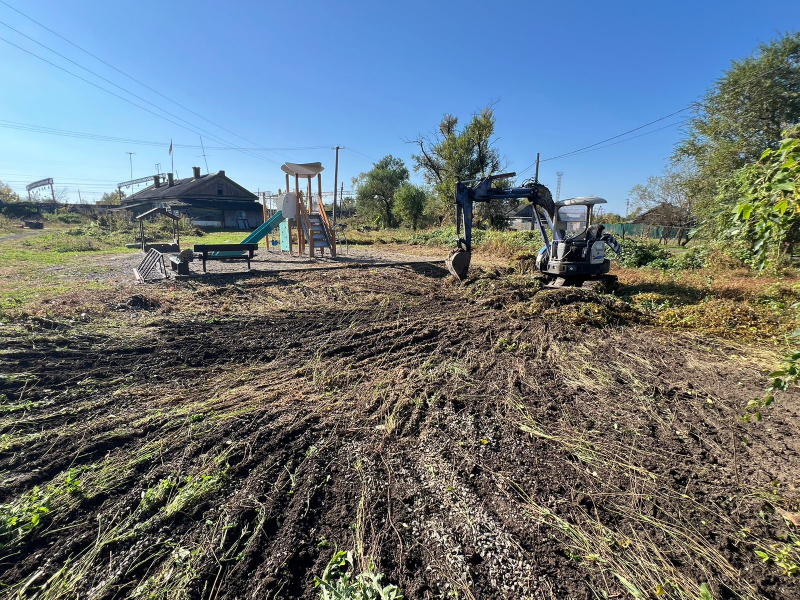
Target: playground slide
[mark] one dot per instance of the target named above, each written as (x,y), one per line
(258,234)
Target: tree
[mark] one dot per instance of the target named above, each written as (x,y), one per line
(114,197)
(376,189)
(741,115)
(450,155)
(766,215)
(7,194)
(667,200)
(611,218)
(410,203)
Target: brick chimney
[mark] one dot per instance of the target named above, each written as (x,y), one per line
(170,179)
(196,172)
(222,173)
(157,180)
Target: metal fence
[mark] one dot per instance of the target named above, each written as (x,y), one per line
(643,230)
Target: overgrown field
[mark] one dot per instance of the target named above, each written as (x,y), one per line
(226,437)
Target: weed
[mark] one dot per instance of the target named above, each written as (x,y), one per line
(28,512)
(339,581)
(785,555)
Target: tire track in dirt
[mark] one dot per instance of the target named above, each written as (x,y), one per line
(449,442)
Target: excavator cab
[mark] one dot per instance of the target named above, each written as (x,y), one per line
(577,254)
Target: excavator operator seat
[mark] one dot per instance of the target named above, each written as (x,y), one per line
(571,220)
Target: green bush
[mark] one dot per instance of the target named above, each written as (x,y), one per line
(71,218)
(694,258)
(636,253)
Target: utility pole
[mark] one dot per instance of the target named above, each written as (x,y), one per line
(336,182)
(80,200)
(130,157)
(558,186)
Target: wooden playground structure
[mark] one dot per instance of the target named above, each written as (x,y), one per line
(314,231)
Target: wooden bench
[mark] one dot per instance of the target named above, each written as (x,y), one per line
(207,249)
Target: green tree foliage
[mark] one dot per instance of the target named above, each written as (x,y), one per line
(766,213)
(741,115)
(667,199)
(7,194)
(450,155)
(410,203)
(611,218)
(114,197)
(767,216)
(376,190)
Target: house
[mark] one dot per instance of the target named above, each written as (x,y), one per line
(521,218)
(210,200)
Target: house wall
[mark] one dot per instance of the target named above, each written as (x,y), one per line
(521,224)
(253,218)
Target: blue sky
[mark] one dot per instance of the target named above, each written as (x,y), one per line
(365,75)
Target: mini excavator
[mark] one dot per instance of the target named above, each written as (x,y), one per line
(576,256)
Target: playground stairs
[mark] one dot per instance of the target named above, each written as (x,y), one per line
(318,233)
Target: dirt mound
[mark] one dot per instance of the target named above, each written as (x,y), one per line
(137,302)
(577,306)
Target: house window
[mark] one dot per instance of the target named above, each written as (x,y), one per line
(219,189)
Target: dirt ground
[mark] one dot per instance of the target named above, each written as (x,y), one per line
(221,436)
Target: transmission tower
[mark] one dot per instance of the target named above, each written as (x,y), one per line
(558,186)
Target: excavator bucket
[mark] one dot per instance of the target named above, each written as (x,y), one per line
(458,263)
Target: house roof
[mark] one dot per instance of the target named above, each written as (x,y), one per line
(196,188)
(158,211)
(523,211)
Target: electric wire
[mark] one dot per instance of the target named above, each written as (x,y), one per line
(672,114)
(92,136)
(131,77)
(356,152)
(215,138)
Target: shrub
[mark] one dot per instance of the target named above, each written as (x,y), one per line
(694,258)
(636,253)
(71,218)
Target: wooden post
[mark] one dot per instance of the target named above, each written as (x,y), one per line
(289,221)
(299,218)
(310,211)
(335,185)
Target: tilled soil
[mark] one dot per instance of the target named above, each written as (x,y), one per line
(486,441)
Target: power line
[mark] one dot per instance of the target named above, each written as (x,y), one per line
(131,77)
(215,138)
(92,136)
(613,137)
(625,140)
(348,149)
(672,114)
(130,101)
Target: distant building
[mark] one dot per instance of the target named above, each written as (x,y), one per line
(211,200)
(521,218)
